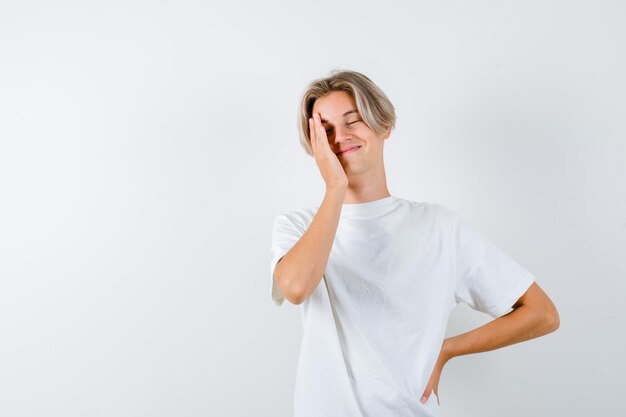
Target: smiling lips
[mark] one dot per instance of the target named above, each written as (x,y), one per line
(349,150)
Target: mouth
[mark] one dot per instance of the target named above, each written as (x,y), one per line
(349,150)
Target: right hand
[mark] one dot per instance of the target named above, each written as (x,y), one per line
(331,169)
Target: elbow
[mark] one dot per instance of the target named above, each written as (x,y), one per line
(295,299)
(294,296)
(295,290)
(292,293)
(550,319)
(553,316)
(554,319)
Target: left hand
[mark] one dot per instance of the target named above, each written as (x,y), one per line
(433,382)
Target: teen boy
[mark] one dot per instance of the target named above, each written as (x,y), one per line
(377,276)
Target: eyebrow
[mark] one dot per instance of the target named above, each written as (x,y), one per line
(344,115)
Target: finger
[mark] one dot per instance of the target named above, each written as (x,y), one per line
(316,132)
(426,395)
(312,135)
(321,132)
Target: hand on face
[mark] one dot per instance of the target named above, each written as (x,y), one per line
(331,169)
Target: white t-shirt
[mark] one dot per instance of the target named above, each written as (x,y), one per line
(374,326)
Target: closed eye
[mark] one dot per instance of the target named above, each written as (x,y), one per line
(351,123)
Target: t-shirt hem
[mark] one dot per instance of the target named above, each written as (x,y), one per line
(506,305)
(277,296)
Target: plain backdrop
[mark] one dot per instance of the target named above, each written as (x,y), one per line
(146,147)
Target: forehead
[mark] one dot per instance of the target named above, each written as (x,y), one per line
(333,105)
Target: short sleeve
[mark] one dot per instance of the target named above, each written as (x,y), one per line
(487,279)
(284,235)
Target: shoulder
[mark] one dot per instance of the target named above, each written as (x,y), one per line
(435,211)
(299,218)
(445,213)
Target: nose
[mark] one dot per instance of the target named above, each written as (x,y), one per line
(341,134)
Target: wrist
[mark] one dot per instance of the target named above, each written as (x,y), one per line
(447,349)
(336,189)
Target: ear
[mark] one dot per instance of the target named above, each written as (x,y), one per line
(387,133)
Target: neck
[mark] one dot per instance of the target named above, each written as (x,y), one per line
(362,189)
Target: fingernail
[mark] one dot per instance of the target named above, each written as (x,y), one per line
(423,399)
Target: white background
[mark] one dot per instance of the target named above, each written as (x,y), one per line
(146,147)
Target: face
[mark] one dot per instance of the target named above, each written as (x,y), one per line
(346,129)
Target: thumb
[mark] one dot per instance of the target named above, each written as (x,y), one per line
(426,394)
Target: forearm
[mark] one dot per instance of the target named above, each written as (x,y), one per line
(300,271)
(521,324)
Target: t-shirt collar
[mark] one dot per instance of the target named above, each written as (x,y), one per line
(369,208)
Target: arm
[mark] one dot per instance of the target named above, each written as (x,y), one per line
(300,270)
(533,315)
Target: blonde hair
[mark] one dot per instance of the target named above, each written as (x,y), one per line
(373,105)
